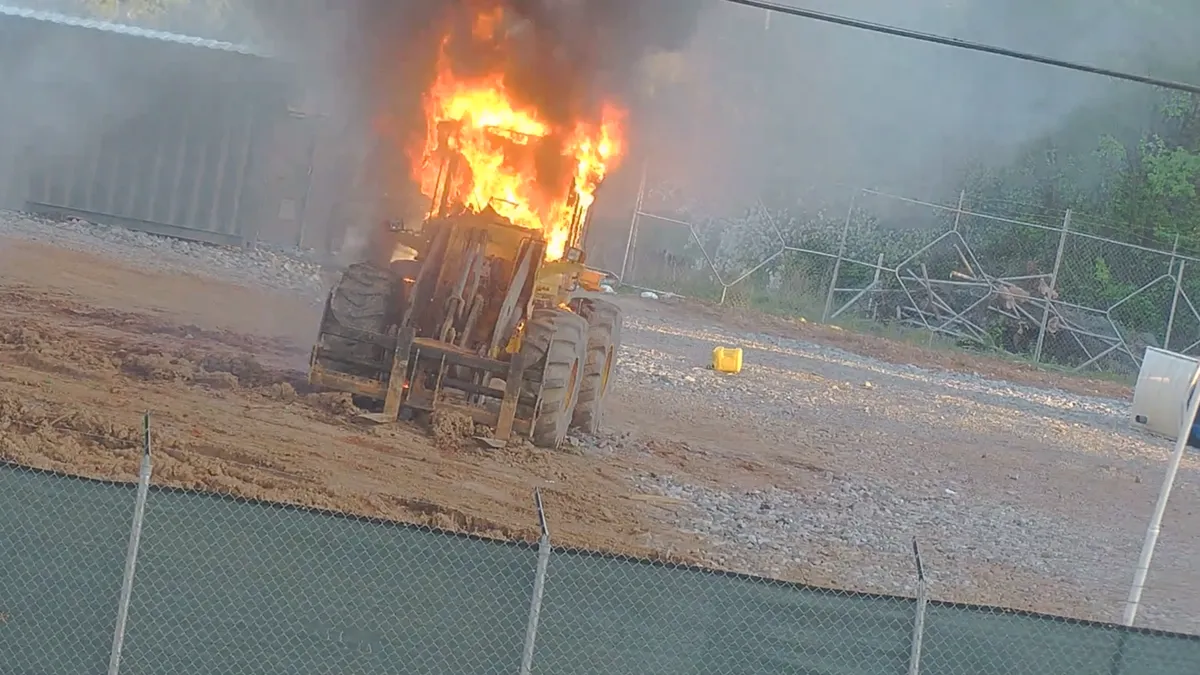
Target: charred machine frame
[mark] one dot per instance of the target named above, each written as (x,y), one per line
(476,321)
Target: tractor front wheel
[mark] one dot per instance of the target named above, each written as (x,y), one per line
(603,344)
(553,348)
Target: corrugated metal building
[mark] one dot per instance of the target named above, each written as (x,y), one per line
(155,131)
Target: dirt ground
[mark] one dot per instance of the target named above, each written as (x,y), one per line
(87,345)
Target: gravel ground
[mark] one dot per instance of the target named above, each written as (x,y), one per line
(779,354)
(1024,497)
(285,270)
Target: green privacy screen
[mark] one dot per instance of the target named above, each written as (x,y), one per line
(227,586)
(230,587)
(62,552)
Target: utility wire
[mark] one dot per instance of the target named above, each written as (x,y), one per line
(124,29)
(963,44)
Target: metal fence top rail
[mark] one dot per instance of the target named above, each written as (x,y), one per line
(125,29)
(1037,226)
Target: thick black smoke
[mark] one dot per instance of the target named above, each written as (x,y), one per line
(588,49)
(559,56)
(610,36)
(371,61)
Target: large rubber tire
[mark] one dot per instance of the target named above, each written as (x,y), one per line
(554,348)
(604,321)
(360,300)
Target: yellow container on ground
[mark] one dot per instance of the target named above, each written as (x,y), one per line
(727,360)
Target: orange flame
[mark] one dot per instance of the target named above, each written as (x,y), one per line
(503,145)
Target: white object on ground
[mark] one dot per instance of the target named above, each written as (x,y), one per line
(1160,398)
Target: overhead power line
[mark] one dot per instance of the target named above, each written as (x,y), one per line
(124,29)
(964,44)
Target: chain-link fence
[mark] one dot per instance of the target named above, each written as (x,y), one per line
(1054,288)
(122,578)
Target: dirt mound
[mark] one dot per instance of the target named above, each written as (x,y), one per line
(158,367)
(446,518)
(97,343)
(21,415)
(72,440)
(521,453)
(21,336)
(211,370)
(250,373)
(70,354)
(283,392)
(55,353)
(337,403)
(451,429)
(67,439)
(218,380)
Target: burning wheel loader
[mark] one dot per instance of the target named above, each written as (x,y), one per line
(466,313)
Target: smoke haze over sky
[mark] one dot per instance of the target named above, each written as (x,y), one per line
(800,103)
(808,102)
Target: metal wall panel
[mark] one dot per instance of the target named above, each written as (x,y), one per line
(169,148)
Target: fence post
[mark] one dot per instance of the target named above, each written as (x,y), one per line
(1058,256)
(1175,295)
(539,587)
(131,554)
(837,263)
(633,222)
(1160,507)
(918,635)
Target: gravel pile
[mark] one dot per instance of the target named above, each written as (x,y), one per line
(286,270)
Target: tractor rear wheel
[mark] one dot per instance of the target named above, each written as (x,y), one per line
(361,300)
(603,344)
(554,350)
